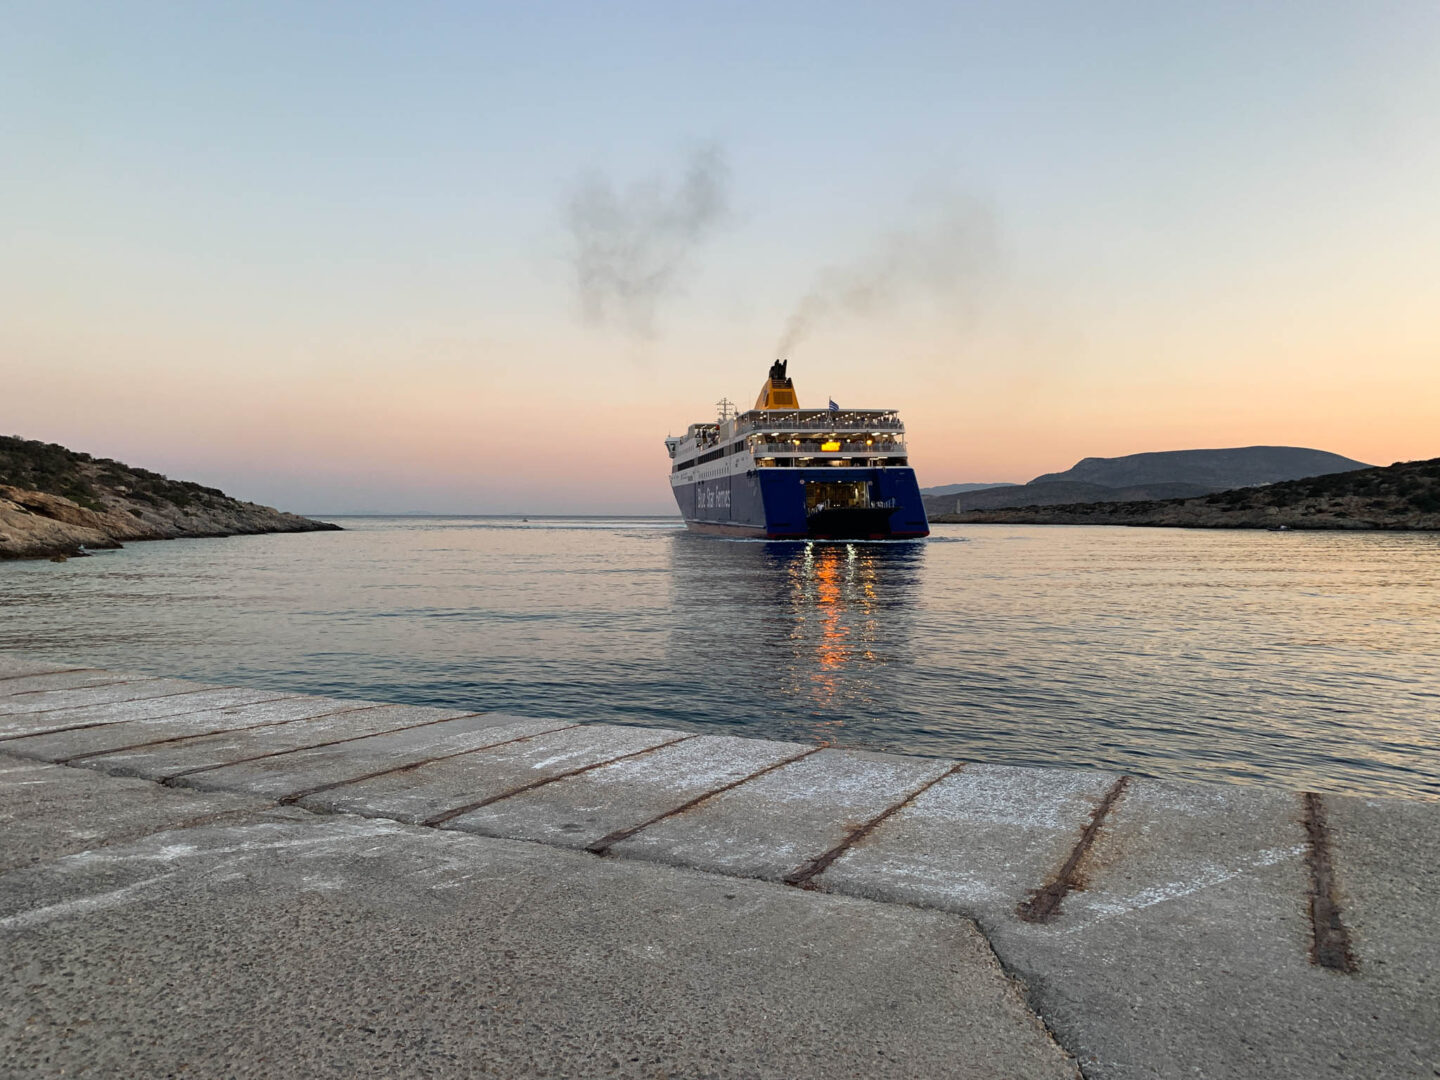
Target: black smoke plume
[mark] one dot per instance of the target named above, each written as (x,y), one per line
(947,248)
(632,247)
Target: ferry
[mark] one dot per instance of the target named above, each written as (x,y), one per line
(781,472)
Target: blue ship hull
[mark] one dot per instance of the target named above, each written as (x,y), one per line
(779,505)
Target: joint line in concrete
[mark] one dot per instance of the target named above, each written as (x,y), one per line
(168,781)
(42,674)
(205,734)
(447,815)
(297,796)
(94,686)
(1044,903)
(804,876)
(133,719)
(1330,940)
(605,843)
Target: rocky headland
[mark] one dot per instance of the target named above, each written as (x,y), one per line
(56,503)
(1405,495)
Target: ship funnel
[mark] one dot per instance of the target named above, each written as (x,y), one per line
(778,391)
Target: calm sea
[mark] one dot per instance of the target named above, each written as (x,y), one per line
(1305,660)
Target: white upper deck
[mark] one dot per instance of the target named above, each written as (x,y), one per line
(779,437)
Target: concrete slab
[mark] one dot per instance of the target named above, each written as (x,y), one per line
(167,760)
(976,843)
(17,664)
(326,767)
(75,679)
(1182,946)
(344,948)
(16,725)
(74,743)
(47,811)
(1386,855)
(774,824)
(1186,946)
(420,794)
(580,810)
(1183,942)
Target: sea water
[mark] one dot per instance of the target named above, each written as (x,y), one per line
(1307,660)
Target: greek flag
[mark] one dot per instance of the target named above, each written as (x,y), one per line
(833,406)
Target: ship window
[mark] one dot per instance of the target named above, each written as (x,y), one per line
(685,465)
(711,456)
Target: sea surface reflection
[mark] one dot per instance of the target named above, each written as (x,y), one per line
(817,632)
(1306,660)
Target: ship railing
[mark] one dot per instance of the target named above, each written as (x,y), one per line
(820,421)
(811,449)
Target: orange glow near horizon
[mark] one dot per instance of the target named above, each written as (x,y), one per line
(472,434)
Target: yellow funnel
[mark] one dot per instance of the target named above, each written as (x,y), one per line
(778,392)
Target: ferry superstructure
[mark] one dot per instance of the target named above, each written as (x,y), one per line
(785,473)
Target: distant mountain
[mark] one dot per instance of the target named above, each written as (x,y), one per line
(1215,470)
(956,489)
(1170,474)
(1058,493)
(1405,495)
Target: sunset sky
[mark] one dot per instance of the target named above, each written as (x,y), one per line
(324,256)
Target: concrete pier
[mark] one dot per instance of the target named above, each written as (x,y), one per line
(218,881)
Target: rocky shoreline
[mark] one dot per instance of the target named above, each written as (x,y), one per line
(36,525)
(57,503)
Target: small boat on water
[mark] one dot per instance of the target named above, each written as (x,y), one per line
(781,472)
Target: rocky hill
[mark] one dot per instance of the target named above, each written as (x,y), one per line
(1405,495)
(1056,493)
(1169,474)
(57,502)
(1217,470)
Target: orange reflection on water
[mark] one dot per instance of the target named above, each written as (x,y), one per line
(832,597)
(830,652)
